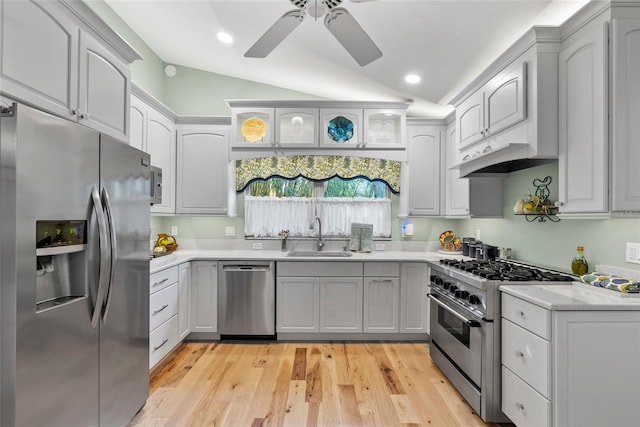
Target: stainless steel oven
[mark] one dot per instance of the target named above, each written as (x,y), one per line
(465,325)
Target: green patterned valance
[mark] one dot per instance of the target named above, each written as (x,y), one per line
(318,168)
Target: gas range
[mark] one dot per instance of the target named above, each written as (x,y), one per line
(465,313)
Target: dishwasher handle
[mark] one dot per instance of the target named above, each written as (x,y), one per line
(263,268)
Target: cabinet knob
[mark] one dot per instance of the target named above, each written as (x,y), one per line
(84,116)
(558,204)
(519,406)
(519,354)
(519,313)
(74,112)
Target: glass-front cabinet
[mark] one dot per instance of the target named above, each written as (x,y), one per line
(384,128)
(252,127)
(341,128)
(296,127)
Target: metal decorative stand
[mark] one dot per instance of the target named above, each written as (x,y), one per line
(547,211)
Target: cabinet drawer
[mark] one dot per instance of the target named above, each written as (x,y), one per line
(527,355)
(382,269)
(522,404)
(530,316)
(162,279)
(163,340)
(162,305)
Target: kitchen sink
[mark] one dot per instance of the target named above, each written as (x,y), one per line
(319,254)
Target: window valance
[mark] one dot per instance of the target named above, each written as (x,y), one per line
(318,168)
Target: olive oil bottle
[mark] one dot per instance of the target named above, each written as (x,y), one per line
(579,265)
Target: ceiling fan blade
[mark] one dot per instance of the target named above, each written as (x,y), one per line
(276,34)
(351,36)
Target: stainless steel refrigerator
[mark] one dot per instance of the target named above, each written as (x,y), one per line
(74,265)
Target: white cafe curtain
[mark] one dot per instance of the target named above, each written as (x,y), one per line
(266,216)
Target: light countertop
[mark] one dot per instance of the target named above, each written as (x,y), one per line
(576,296)
(181,256)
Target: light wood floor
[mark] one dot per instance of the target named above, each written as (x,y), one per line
(303,384)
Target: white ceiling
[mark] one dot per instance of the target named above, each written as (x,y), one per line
(448,43)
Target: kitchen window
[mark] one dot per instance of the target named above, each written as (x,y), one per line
(282,200)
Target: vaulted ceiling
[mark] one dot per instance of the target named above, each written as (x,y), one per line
(447,43)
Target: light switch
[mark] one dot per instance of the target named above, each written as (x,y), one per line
(174,230)
(230,231)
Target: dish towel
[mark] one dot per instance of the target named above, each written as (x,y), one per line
(619,284)
(361,237)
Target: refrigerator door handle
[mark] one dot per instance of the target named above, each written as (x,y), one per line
(105,257)
(114,251)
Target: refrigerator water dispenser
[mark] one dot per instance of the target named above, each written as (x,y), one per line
(61,260)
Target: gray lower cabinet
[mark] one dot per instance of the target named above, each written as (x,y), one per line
(352,297)
(381,305)
(414,305)
(341,304)
(184,300)
(204,296)
(298,304)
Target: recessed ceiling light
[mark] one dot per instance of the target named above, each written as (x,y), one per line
(412,78)
(224,37)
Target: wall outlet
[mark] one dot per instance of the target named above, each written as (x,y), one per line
(379,246)
(256,245)
(478,234)
(230,231)
(174,230)
(632,253)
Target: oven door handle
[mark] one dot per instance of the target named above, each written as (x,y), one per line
(469,322)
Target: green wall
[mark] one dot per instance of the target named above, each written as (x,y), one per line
(195,92)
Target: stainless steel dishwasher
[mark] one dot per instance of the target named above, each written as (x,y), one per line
(246,299)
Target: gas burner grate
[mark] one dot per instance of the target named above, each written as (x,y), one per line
(506,271)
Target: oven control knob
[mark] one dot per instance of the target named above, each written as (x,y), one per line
(453,289)
(473,299)
(464,294)
(447,285)
(436,280)
(458,293)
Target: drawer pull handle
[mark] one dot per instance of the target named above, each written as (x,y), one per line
(519,354)
(160,282)
(160,309)
(163,343)
(382,281)
(519,313)
(519,406)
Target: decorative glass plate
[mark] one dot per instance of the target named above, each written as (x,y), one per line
(340,129)
(253,129)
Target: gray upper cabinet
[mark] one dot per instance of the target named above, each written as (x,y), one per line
(384,128)
(499,104)
(584,136)
(457,189)
(341,128)
(252,127)
(626,115)
(296,127)
(424,147)
(154,132)
(202,169)
(68,70)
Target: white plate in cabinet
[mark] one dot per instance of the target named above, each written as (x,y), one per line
(528,356)
(347,121)
(162,279)
(531,317)
(296,127)
(163,305)
(162,340)
(522,404)
(258,126)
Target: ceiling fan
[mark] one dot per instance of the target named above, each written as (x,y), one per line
(338,21)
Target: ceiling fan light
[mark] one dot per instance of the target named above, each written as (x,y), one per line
(412,79)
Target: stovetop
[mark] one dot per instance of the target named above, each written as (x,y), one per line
(503,270)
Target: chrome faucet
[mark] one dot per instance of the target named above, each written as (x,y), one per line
(320,243)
